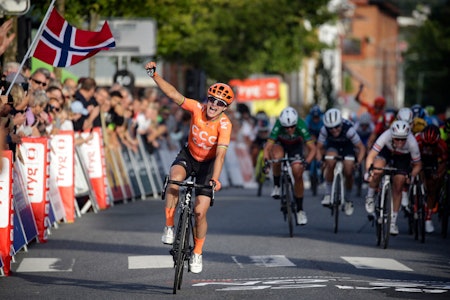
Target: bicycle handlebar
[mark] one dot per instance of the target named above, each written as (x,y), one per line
(339,157)
(285,159)
(389,170)
(189,184)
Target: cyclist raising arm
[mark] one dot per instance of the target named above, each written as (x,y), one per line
(339,137)
(204,154)
(398,148)
(289,134)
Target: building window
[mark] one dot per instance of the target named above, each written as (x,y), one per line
(351,46)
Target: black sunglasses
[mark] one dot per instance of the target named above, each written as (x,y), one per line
(289,127)
(217,102)
(44,84)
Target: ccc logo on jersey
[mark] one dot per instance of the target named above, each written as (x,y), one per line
(202,138)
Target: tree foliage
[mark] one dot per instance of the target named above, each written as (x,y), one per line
(427,61)
(225,38)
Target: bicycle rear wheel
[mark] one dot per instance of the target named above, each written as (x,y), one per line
(287,194)
(336,202)
(182,239)
(386,217)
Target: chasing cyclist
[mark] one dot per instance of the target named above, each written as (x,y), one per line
(204,154)
(433,152)
(398,148)
(289,135)
(339,137)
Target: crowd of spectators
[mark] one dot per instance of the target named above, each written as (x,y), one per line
(39,104)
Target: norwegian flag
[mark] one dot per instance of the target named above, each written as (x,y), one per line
(63,45)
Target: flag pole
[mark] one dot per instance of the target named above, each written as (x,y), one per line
(32,46)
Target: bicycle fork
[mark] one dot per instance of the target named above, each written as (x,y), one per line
(338,169)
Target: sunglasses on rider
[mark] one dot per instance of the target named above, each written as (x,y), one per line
(217,102)
(335,127)
(290,127)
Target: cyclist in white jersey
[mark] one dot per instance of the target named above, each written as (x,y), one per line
(398,148)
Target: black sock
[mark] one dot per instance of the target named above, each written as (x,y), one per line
(299,202)
(276,180)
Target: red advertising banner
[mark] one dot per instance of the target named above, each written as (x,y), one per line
(35,154)
(93,156)
(256,89)
(6,211)
(63,171)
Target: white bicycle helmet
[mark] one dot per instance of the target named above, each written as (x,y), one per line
(400,129)
(405,114)
(332,118)
(288,117)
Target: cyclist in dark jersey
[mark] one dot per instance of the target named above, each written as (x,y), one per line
(290,135)
(339,137)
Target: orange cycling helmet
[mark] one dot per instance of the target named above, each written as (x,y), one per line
(379,101)
(222,91)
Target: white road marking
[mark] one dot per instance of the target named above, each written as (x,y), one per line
(150,262)
(376,263)
(272,261)
(45,265)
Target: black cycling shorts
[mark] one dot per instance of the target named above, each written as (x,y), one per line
(399,161)
(202,170)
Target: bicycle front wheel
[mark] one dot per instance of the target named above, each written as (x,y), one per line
(314,177)
(182,238)
(288,197)
(444,207)
(421,214)
(336,202)
(386,216)
(259,172)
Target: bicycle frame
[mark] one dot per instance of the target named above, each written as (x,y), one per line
(337,186)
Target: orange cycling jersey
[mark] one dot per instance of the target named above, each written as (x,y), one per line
(206,135)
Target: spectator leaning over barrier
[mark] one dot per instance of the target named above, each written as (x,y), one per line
(54,92)
(37,118)
(204,154)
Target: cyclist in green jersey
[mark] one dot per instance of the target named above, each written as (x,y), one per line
(289,135)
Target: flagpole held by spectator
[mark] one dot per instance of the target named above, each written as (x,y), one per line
(31,48)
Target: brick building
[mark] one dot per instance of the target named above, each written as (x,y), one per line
(369,44)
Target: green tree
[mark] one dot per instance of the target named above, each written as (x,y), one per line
(225,38)
(427,61)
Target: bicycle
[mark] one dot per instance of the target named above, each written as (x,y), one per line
(314,176)
(260,174)
(417,207)
(183,244)
(444,205)
(337,187)
(288,205)
(383,208)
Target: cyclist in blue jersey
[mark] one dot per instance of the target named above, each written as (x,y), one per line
(290,135)
(364,127)
(339,137)
(314,120)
